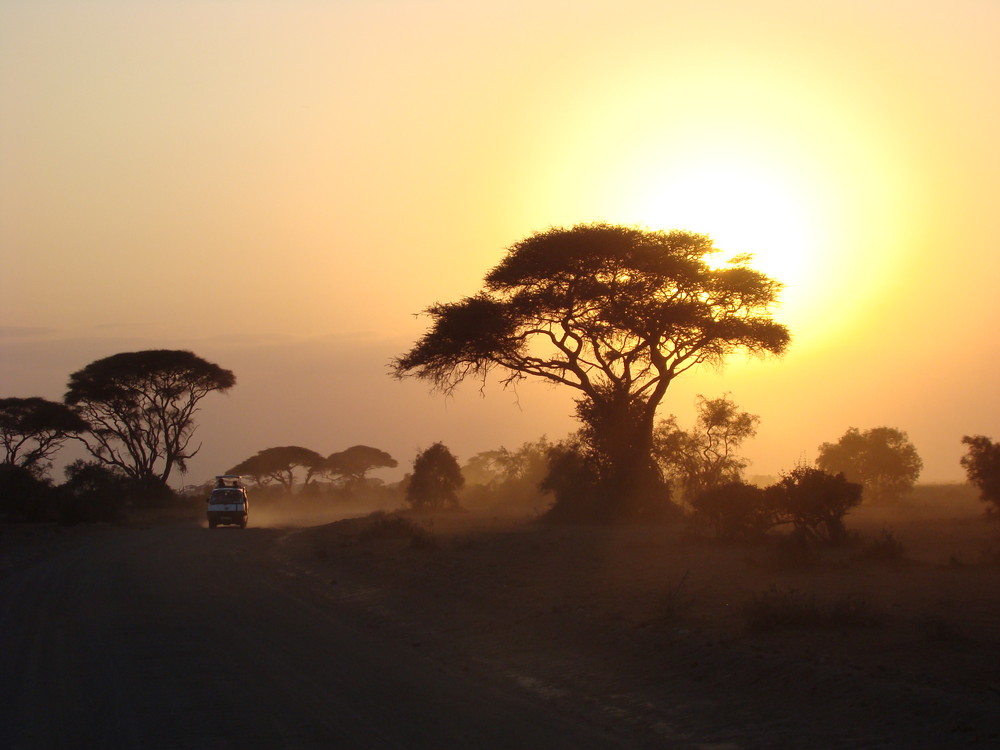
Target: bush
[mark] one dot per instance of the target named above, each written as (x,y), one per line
(92,493)
(24,496)
(815,503)
(584,493)
(735,511)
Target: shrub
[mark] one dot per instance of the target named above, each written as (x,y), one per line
(23,495)
(815,503)
(735,511)
(93,492)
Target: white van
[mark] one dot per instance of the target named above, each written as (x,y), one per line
(228,503)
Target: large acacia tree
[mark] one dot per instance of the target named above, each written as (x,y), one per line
(141,407)
(613,312)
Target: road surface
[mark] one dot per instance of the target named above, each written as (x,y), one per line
(179,637)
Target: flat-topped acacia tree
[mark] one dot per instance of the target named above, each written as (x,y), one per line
(613,312)
(140,408)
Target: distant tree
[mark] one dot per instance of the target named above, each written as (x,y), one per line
(815,503)
(614,313)
(982,466)
(140,407)
(34,429)
(435,481)
(355,462)
(882,460)
(508,478)
(280,464)
(735,510)
(705,456)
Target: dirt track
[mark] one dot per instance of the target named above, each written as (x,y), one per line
(178,637)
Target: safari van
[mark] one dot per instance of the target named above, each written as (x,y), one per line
(228,503)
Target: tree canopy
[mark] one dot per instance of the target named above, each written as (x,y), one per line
(140,408)
(355,462)
(613,312)
(280,464)
(34,429)
(882,460)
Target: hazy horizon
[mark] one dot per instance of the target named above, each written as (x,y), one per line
(281,187)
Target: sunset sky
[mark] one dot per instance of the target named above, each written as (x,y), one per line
(280,186)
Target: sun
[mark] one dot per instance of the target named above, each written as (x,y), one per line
(744,210)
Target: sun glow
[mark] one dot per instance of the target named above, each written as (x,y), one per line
(744,210)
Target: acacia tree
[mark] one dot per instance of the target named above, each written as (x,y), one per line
(705,456)
(280,464)
(435,481)
(140,408)
(34,429)
(355,462)
(614,313)
(882,460)
(982,466)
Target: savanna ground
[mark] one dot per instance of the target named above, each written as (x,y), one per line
(674,640)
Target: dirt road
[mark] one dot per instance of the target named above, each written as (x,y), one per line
(179,637)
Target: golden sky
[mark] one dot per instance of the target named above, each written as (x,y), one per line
(280,186)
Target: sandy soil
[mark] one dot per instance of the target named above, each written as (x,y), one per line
(648,629)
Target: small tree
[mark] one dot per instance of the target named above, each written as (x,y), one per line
(355,462)
(982,466)
(882,460)
(280,465)
(815,503)
(140,408)
(435,481)
(705,456)
(34,429)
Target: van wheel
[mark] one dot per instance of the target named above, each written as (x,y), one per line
(211,524)
(243,523)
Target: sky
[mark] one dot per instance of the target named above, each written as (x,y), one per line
(282,187)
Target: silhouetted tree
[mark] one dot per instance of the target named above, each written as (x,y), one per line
(982,466)
(435,481)
(735,510)
(615,313)
(882,460)
(815,503)
(280,464)
(94,492)
(705,456)
(355,462)
(140,407)
(34,429)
